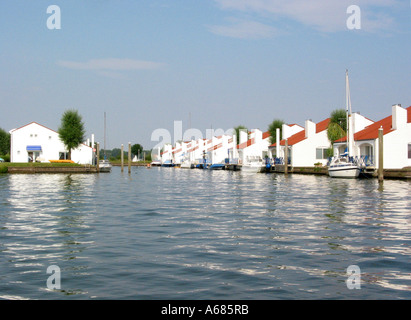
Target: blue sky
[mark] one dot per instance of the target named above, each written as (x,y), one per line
(220,63)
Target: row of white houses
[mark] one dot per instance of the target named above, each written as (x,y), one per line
(308,145)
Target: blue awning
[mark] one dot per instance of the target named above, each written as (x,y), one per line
(33,148)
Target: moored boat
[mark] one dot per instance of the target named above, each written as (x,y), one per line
(217,166)
(155,163)
(253,165)
(105,166)
(187,165)
(343,166)
(168,164)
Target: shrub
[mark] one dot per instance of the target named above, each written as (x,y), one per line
(6,157)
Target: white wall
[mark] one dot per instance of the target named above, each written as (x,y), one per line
(396,142)
(304,153)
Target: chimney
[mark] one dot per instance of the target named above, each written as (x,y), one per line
(277,142)
(310,128)
(399,117)
(258,135)
(243,135)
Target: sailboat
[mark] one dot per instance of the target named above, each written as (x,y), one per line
(343,165)
(105,165)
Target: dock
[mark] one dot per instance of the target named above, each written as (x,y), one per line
(34,169)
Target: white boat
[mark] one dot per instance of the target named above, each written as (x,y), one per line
(186,165)
(252,165)
(155,163)
(105,166)
(343,166)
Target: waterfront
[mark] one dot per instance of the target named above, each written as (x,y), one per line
(165,233)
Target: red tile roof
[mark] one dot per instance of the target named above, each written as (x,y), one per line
(251,141)
(371,132)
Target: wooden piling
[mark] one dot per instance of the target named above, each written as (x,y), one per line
(122,158)
(129,157)
(98,156)
(380,154)
(286,157)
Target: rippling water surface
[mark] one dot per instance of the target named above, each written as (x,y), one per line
(169,233)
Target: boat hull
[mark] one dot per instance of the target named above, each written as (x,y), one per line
(105,166)
(251,168)
(344,171)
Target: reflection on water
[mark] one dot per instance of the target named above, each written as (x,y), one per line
(45,221)
(169,233)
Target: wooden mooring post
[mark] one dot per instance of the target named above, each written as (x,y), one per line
(286,157)
(122,158)
(98,157)
(380,155)
(129,157)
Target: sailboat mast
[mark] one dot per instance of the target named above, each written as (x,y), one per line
(349,119)
(346,109)
(104,135)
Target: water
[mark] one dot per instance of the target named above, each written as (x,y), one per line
(167,233)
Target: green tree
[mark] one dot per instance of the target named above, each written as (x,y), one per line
(4,142)
(71,131)
(339,116)
(337,127)
(148,155)
(272,128)
(137,149)
(237,131)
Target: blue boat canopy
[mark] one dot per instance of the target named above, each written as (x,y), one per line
(33,148)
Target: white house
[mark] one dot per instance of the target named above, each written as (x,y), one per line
(254,146)
(35,142)
(220,148)
(287,130)
(308,146)
(195,150)
(167,153)
(396,140)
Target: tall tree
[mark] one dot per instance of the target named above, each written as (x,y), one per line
(272,128)
(4,142)
(71,130)
(237,131)
(136,149)
(337,127)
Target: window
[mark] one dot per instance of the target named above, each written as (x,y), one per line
(321,153)
(409,151)
(63,155)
